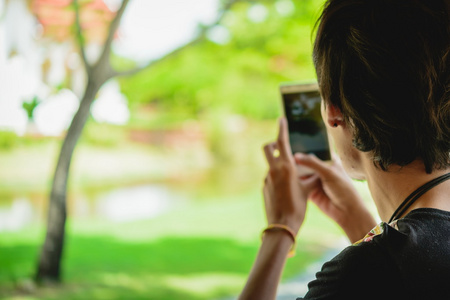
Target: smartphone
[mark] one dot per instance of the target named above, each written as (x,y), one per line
(307,132)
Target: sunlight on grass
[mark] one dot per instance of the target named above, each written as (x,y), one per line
(21,298)
(206,284)
(202,285)
(121,279)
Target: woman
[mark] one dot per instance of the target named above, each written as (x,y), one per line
(383,69)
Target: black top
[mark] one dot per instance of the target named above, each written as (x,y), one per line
(409,259)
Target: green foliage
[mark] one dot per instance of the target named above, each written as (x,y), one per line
(102,134)
(31,106)
(8,140)
(154,117)
(120,63)
(219,138)
(240,77)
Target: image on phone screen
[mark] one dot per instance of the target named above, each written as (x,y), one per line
(307,133)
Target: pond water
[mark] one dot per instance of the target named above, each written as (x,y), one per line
(135,203)
(16,215)
(122,204)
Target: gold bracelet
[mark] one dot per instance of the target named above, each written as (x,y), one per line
(285,229)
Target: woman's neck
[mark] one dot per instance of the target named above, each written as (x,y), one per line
(390,188)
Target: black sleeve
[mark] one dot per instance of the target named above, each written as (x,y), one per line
(358,272)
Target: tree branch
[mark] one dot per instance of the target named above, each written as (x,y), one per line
(112,30)
(224,9)
(79,34)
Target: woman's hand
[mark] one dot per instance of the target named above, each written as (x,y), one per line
(336,196)
(285,200)
(284,194)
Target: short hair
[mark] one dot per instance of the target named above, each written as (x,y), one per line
(385,64)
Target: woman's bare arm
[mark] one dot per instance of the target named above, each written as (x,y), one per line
(266,272)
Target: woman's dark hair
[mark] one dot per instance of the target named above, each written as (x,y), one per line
(386,64)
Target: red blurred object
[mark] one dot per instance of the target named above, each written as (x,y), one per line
(58,18)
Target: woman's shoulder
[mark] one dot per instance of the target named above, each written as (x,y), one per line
(427,214)
(356,270)
(407,258)
(413,251)
(418,225)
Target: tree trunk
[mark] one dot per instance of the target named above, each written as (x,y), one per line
(49,266)
(52,250)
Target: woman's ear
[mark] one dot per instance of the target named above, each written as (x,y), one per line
(334,116)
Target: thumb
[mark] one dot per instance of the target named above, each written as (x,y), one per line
(313,162)
(310,183)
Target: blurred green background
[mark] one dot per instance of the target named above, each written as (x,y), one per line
(167,204)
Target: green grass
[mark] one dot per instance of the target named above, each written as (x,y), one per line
(203,250)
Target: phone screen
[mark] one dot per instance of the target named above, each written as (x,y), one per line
(307,133)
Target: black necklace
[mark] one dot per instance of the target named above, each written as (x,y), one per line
(416,194)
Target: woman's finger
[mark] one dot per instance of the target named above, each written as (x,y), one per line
(267,203)
(283,139)
(269,151)
(267,181)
